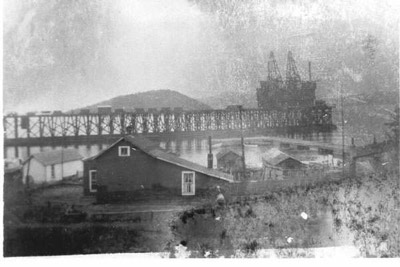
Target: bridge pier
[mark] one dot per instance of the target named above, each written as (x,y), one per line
(168,144)
(179,145)
(198,144)
(189,144)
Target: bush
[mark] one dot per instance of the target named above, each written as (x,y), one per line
(250,247)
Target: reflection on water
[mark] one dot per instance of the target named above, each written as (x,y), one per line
(84,150)
(192,149)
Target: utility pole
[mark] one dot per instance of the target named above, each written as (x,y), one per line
(210,155)
(242,140)
(62,162)
(342,115)
(62,157)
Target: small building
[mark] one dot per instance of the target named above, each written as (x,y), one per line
(52,166)
(134,167)
(229,161)
(278,165)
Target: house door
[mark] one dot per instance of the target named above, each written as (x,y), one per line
(188,183)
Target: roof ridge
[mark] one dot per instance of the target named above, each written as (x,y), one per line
(56,156)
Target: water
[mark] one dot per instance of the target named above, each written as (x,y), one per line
(197,152)
(194,150)
(84,150)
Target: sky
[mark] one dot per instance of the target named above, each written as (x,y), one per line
(142,46)
(150,44)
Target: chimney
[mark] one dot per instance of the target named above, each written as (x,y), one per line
(210,155)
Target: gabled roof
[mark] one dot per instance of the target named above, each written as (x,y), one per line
(57,156)
(225,152)
(275,156)
(171,158)
(140,142)
(153,150)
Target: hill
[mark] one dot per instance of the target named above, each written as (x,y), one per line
(152,99)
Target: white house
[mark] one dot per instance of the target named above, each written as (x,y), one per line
(52,166)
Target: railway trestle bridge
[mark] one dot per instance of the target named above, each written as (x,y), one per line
(81,128)
(286,107)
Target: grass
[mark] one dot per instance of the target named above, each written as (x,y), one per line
(359,212)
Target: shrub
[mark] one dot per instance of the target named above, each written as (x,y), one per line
(250,247)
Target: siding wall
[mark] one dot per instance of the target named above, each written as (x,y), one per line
(170,176)
(125,173)
(42,174)
(138,171)
(230,163)
(68,169)
(272,173)
(36,170)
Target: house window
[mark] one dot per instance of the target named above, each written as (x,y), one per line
(53,172)
(123,151)
(93,181)
(188,183)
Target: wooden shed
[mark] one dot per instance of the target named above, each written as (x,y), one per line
(52,166)
(229,161)
(278,165)
(136,167)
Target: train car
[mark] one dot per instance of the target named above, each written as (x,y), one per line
(44,113)
(152,110)
(165,110)
(139,110)
(104,109)
(233,107)
(178,110)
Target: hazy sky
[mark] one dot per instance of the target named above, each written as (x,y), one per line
(143,45)
(150,45)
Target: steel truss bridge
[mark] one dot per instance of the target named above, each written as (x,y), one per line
(57,129)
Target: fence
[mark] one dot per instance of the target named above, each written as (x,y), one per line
(248,188)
